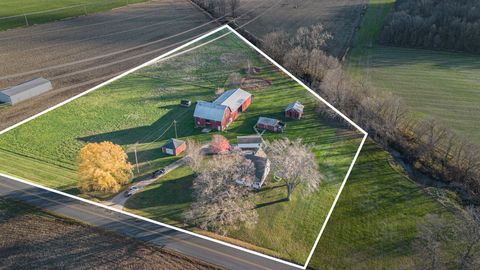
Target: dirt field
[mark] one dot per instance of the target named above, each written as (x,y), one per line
(79,53)
(339,16)
(34,239)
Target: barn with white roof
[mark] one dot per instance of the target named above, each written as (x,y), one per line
(224,110)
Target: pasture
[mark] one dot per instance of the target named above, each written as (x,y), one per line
(436,85)
(43,11)
(441,86)
(374,223)
(137,112)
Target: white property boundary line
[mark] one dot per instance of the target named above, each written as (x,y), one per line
(165,55)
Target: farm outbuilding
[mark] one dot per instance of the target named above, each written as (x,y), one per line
(294,110)
(25,90)
(270,124)
(174,147)
(251,142)
(223,111)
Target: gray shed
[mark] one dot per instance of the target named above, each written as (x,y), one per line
(25,90)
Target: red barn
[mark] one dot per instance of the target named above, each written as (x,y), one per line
(223,111)
(294,110)
(270,124)
(174,147)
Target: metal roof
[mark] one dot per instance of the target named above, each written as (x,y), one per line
(174,143)
(267,121)
(296,106)
(249,139)
(209,111)
(233,98)
(25,86)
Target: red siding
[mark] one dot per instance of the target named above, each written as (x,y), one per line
(228,117)
(293,114)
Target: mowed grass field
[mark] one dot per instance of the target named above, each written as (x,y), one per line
(436,85)
(42,11)
(374,223)
(443,86)
(137,112)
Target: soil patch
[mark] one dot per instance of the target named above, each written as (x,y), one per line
(254,83)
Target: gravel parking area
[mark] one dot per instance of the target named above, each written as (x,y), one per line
(79,53)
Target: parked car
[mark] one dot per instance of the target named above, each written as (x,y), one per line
(157,173)
(185,103)
(132,190)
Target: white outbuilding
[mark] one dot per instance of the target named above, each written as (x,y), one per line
(25,90)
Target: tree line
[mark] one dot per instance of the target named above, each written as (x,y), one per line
(219,8)
(434,24)
(426,144)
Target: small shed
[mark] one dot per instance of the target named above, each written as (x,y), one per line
(174,147)
(251,142)
(270,124)
(294,110)
(25,90)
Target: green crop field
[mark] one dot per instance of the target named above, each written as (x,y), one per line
(374,223)
(137,113)
(42,11)
(444,86)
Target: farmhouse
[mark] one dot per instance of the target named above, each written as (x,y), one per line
(294,110)
(174,147)
(25,90)
(270,124)
(223,111)
(251,142)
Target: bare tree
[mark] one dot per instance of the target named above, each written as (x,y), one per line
(194,155)
(313,37)
(276,44)
(468,233)
(234,4)
(427,245)
(294,163)
(219,202)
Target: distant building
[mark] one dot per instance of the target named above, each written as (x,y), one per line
(174,147)
(223,111)
(270,124)
(262,169)
(25,90)
(251,142)
(294,110)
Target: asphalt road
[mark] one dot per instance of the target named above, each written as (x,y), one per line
(184,243)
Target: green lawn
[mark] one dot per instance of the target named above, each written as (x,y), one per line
(374,222)
(137,112)
(435,85)
(51,10)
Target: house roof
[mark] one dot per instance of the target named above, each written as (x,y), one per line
(260,166)
(26,86)
(249,139)
(267,121)
(233,98)
(210,111)
(297,106)
(174,143)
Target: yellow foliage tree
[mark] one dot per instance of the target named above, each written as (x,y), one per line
(103,167)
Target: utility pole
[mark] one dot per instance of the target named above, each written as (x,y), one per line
(136,158)
(175,127)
